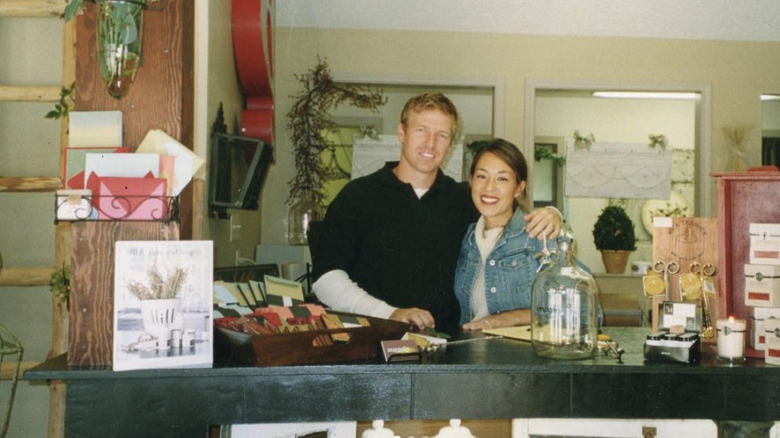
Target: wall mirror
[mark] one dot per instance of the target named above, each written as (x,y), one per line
(558,109)
(477,101)
(770,130)
(548,171)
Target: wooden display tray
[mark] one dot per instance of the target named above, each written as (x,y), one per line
(232,348)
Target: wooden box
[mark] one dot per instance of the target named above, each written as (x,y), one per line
(772,345)
(757,338)
(762,285)
(232,348)
(743,198)
(765,244)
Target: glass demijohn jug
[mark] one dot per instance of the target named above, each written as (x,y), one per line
(563,307)
(302,213)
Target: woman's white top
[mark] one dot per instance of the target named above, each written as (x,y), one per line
(486,239)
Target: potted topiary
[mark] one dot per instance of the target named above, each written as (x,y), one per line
(614,236)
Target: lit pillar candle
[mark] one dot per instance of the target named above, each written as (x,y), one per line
(731,339)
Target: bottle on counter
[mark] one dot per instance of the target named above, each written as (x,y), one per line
(564,321)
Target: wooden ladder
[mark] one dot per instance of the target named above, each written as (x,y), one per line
(40,276)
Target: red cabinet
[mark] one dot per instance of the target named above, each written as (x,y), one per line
(743,198)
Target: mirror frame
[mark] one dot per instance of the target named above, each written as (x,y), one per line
(496,83)
(704,185)
(556,144)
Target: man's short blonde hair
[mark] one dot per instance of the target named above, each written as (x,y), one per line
(430,101)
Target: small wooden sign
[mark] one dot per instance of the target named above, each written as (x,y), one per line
(686,246)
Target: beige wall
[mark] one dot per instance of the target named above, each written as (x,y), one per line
(738,72)
(221,86)
(30,54)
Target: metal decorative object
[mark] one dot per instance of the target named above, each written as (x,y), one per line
(10,346)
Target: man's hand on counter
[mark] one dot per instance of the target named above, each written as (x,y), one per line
(420,318)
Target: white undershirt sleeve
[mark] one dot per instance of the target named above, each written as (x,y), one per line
(336,290)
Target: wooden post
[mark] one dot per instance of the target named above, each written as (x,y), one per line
(92,284)
(161,97)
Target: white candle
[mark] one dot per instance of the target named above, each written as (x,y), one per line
(731,338)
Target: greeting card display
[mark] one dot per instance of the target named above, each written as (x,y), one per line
(163,304)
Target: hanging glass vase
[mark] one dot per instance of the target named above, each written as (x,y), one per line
(119,35)
(302,213)
(564,307)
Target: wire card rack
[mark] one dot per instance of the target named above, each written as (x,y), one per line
(74,207)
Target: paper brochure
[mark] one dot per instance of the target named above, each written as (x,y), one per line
(163,299)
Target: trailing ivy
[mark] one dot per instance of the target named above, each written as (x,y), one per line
(60,283)
(542,153)
(65,105)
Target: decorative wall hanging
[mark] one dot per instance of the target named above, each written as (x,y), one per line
(11,347)
(252,26)
(309,123)
(119,39)
(370,154)
(618,170)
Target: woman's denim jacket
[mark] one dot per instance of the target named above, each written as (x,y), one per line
(510,269)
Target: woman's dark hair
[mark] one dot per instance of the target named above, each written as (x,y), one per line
(509,154)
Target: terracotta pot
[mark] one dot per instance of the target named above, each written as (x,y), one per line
(615,260)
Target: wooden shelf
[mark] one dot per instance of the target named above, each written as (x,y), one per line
(32,8)
(29,94)
(7,369)
(30,184)
(23,277)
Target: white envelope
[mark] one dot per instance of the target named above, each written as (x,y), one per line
(127,165)
(187,163)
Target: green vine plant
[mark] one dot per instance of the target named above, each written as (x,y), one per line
(542,153)
(583,141)
(60,283)
(476,145)
(65,105)
(308,121)
(659,140)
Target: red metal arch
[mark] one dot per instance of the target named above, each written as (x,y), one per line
(252,28)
